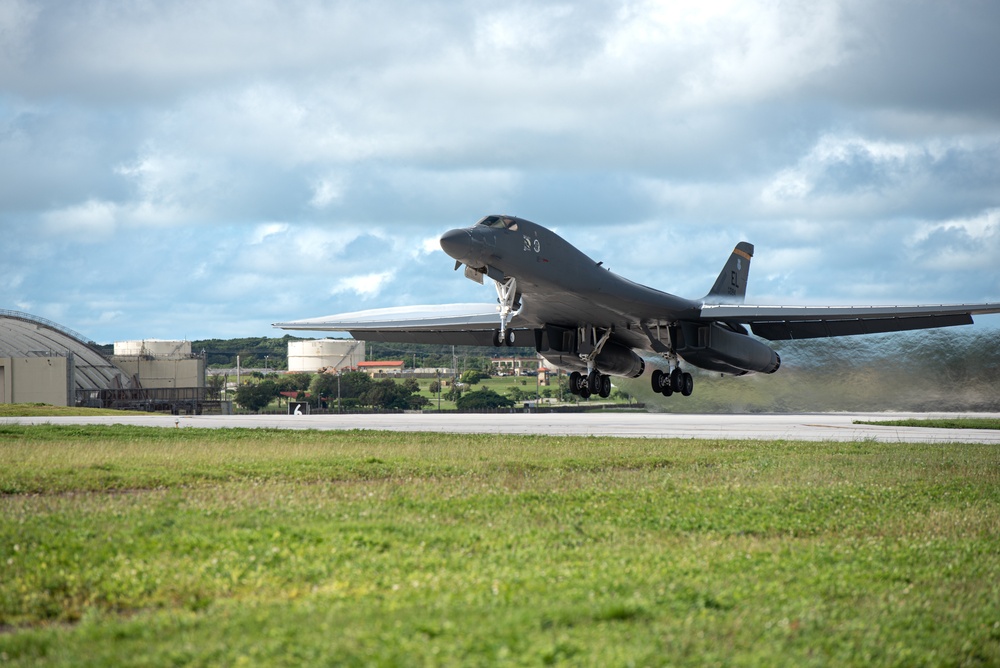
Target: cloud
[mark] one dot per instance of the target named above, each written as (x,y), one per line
(281,160)
(327,190)
(970,244)
(91,220)
(430,245)
(852,175)
(365,286)
(264,231)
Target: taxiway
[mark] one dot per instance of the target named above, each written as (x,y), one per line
(798,426)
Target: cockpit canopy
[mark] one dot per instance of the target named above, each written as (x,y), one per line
(508,222)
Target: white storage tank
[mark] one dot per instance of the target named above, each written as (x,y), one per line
(310,356)
(153,348)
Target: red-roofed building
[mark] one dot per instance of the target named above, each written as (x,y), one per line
(382,368)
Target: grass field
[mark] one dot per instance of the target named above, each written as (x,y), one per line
(135,546)
(48,410)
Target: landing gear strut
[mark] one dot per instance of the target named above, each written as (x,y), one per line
(508,298)
(593,382)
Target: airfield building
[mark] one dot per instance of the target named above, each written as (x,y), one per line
(156,363)
(382,368)
(43,362)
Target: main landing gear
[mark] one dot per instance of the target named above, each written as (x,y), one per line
(674,381)
(585,385)
(589,346)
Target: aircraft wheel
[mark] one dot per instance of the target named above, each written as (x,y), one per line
(605,387)
(497,341)
(666,390)
(688,381)
(676,380)
(574,382)
(584,393)
(594,381)
(509,337)
(656,380)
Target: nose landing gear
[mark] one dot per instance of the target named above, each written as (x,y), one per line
(503,337)
(509,300)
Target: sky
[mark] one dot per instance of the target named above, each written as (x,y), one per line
(196,169)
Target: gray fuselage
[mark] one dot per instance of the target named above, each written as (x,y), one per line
(560,285)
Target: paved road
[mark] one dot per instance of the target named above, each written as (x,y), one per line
(809,427)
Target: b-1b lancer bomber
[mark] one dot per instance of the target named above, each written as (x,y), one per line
(584,319)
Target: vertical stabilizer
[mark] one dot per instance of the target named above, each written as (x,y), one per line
(731,285)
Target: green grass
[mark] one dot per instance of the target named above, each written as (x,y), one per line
(134,546)
(939,423)
(48,410)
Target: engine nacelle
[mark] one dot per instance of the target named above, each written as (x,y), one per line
(718,348)
(614,360)
(618,360)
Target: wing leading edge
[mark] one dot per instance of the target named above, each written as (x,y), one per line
(455,324)
(782,323)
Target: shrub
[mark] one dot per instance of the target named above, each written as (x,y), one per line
(484,399)
(256,397)
(471,377)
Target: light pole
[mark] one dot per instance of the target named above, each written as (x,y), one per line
(538,390)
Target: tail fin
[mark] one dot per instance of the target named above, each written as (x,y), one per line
(731,285)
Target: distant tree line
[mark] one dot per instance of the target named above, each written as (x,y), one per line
(353,389)
(254,352)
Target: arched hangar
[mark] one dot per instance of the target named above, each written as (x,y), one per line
(41,361)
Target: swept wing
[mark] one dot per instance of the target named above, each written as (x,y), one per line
(781,323)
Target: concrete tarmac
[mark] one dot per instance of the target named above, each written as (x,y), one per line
(798,426)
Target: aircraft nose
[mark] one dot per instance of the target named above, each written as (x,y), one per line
(457,243)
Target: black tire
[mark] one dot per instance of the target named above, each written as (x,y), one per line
(656,380)
(676,380)
(594,381)
(688,381)
(497,341)
(509,338)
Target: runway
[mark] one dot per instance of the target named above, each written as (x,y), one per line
(797,427)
